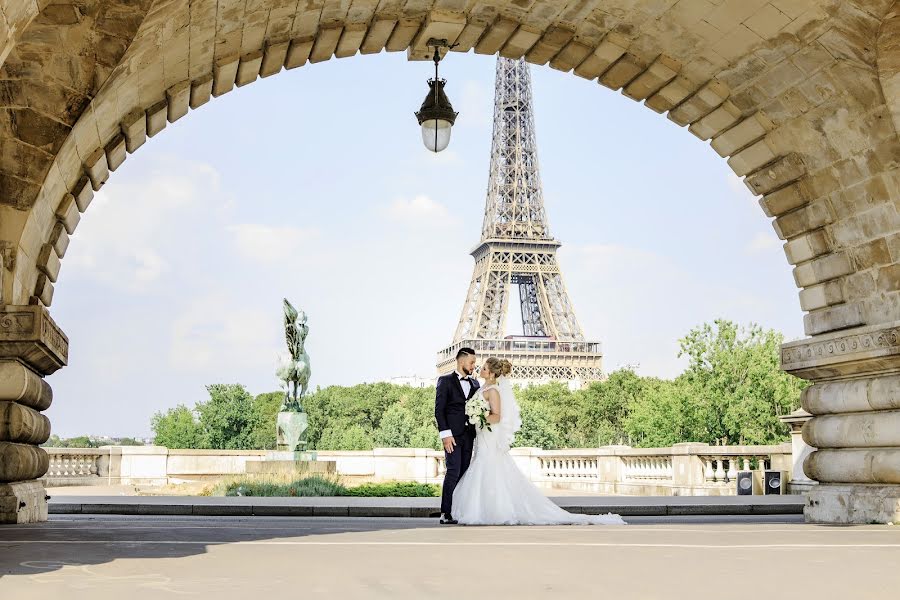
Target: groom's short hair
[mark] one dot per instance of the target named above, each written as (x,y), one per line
(464,352)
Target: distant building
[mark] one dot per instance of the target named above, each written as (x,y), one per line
(413,381)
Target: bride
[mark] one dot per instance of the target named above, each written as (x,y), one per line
(493,491)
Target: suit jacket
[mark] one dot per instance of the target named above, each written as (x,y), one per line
(450,404)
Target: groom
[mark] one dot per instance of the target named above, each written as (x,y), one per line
(457,435)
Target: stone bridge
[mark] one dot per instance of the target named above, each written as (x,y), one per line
(801,97)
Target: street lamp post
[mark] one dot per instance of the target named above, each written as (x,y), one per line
(436,116)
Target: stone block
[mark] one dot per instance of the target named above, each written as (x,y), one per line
(853,504)
(67,213)
(43,289)
(777,175)
(808,218)
(553,40)
(494,38)
(21,462)
(623,71)
(115,152)
(820,296)
(83,193)
(21,424)
(30,336)
(59,239)
(520,42)
(833,318)
(572,55)
(298,52)
(823,268)
(439,24)
(248,69)
(97,169)
(806,247)
(662,71)
(716,122)
(377,35)
(403,34)
(742,135)
(157,117)
(752,158)
(857,430)
(787,199)
(224,74)
(854,465)
(707,98)
(609,51)
(23,502)
(134,127)
(889,278)
(178,99)
(20,384)
(672,94)
(274,58)
(48,262)
(201,90)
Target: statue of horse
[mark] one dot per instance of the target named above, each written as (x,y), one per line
(294,372)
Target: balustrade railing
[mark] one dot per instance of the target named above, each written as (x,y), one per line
(681,469)
(75,463)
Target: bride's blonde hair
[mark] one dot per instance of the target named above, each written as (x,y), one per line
(498,366)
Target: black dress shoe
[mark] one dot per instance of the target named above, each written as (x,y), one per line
(448,520)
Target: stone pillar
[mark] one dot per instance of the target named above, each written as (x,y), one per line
(31,347)
(855,427)
(800,483)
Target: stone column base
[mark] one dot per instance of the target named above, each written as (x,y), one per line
(853,503)
(23,502)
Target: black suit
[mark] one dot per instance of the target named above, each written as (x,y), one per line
(450,414)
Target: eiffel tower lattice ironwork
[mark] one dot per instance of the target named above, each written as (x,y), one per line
(516,248)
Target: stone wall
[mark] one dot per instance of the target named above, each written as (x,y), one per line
(684,469)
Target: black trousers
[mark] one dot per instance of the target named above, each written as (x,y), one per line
(457,464)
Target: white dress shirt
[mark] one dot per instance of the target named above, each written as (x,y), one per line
(466,388)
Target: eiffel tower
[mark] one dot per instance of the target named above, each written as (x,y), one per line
(516,249)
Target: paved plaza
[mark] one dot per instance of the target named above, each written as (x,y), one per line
(772,557)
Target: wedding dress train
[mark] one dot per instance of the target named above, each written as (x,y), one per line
(494,491)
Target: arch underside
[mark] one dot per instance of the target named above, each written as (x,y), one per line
(787,91)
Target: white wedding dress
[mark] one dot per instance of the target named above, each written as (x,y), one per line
(493,491)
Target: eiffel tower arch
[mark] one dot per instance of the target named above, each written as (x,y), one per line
(516,249)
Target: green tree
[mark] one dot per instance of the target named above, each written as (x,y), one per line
(425,436)
(177,428)
(346,437)
(395,429)
(227,419)
(538,429)
(735,377)
(263,420)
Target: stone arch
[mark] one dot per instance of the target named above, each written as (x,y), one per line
(792,94)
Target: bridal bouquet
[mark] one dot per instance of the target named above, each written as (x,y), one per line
(477,409)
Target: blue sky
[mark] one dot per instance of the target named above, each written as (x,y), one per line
(314,185)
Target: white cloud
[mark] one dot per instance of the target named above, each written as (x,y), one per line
(638,303)
(217,333)
(419,211)
(270,244)
(129,235)
(763,242)
(476,104)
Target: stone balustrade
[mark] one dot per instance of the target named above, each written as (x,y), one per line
(683,469)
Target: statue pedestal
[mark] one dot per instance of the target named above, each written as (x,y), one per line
(291,432)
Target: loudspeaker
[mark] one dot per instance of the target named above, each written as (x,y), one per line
(749,483)
(775,482)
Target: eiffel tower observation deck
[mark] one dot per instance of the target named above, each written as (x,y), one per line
(516,249)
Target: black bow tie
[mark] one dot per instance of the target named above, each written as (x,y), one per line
(469,379)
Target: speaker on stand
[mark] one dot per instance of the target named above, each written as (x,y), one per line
(775,482)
